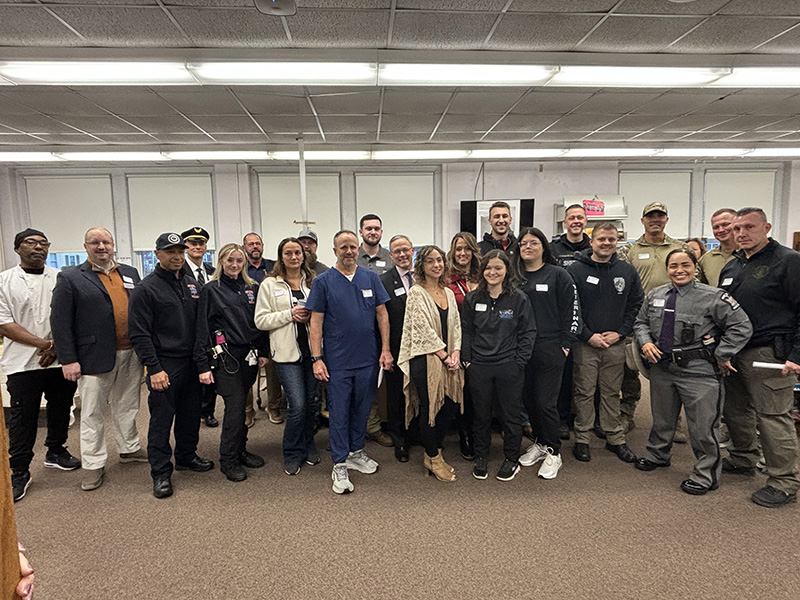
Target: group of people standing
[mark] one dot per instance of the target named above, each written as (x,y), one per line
(537,336)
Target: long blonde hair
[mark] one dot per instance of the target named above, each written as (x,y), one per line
(224,253)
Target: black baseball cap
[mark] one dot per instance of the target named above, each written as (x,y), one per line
(169,240)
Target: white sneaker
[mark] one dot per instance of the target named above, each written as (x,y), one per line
(341,481)
(359,461)
(533,454)
(551,465)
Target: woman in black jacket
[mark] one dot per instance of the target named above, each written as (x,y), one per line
(498,331)
(554,300)
(229,350)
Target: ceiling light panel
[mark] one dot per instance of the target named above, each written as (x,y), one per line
(95,73)
(420,154)
(702,152)
(321,155)
(608,152)
(517,153)
(760,77)
(776,152)
(113,156)
(284,73)
(635,77)
(456,74)
(27,157)
(219,155)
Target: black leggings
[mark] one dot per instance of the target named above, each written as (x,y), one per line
(541,391)
(431,437)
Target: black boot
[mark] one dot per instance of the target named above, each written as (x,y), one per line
(465,439)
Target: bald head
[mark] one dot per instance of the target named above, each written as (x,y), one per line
(99,245)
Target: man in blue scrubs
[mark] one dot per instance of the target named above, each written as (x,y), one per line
(344,303)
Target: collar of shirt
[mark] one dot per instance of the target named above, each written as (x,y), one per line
(99,269)
(403,278)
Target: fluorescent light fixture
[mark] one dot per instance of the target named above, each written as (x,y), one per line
(284,73)
(450,74)
(774,152)
(760,77)
(692,152)
(219,155)
(600,76)
(96,73)
(27,157)
(420,154)
(608,152)
(517,153)
(322,155)
(113,156)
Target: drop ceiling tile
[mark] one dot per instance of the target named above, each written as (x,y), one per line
(291,139)
(609,136)
(35,124)
(206,102)
(657,136)
(395,123)
(18,140)
(363,4)
(102,2)
(791,137)
(468,123)
(183,138)
(411,102)
(615,103)
(350,138)
(404,138)
(694,138)
(456,138)
(552,33)
(692,122)
(748,123)
(296,124)
(636,34)
(761,7)
(76,139)
(514,122)
(225,124)
(715,36)
(483,102)
(508,137)
(33,26)
(456,5)
(757,136)
(790,124)
(122,27)
(562,5)
(787,43)
(127,101)
(349,124)
(339,29)
(208,3)
(736,104)
(138,139)
(551,102)
(674,103)
(635,123)
(361,103)
(99,125)
(266,103)
(234,29)
(576,122)
(659,7)
(441,31)
(781,107)
(165,124)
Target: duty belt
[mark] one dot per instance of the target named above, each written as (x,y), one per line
(682,357)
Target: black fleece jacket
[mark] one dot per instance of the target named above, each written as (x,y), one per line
(564,251)
(610,295)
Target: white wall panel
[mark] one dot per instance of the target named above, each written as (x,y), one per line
(404,202)
(737,189)
(640,188)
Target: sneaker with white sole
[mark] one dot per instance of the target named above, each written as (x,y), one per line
(508,470)
(533,454)
(551,465)
(359,461)
(341,480)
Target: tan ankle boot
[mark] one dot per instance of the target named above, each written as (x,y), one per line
(440,469)
(426,462)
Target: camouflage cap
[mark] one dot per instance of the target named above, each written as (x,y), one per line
(655,206)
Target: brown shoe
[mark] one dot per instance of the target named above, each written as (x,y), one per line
(249,420)
(92,479)
(130,457)
(381,438)
(275,416)
(440,469)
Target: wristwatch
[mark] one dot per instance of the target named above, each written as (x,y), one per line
(316,358)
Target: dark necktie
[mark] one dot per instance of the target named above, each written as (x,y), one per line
(667,337)
(408,279)
(201,277)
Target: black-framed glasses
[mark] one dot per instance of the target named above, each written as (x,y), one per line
(32,243)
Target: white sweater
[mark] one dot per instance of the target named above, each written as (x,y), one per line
(274,314)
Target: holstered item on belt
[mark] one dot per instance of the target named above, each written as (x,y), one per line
(782,346)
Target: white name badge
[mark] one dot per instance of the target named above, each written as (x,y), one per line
(366,293)
(659,302)
(128,285)
(278,292)
(380,263)
(480,307)
(592,279)
(541,287)
(127,279)
(644,256)
(727,281)
(400,291)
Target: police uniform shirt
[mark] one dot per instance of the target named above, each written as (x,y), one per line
(700,310)
(711,264)
(349,326)
(649,259)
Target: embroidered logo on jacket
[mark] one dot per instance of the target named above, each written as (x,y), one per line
(619,284)
(507,313)
(251,297)
(193,290)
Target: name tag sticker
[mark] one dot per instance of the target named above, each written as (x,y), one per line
(659,302)
(400,291)
(592,279)
(644,256)
(366,293)
(278,292)
(380,263)
(128,285)
(127,279)
(480,307)
(541,287)
(727,281)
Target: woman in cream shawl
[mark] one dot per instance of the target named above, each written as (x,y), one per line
(430,355)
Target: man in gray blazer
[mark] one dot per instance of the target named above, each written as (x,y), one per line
(89,319)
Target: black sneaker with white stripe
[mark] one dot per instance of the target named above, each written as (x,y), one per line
(61,459)
(20,482)
(508,470)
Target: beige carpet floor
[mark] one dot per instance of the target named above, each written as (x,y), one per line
(600,530)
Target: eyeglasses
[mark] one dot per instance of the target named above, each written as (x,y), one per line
(530,244)
(31,243)
(403,251)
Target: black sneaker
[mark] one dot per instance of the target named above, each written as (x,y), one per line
(20,482)
(61,460)
(508,470)
(772,497)
(291,469)
(581,452)
(480,470)
(234,471)
(563,431)
(729,467)
(250,460)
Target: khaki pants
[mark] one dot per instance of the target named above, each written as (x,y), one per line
(762,399)
(119,389)
(598,367)
(275,400)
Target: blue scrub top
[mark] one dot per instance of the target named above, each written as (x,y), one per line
(348,331)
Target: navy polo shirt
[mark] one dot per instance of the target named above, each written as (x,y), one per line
(348,331)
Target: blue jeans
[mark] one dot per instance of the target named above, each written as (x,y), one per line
(300,389)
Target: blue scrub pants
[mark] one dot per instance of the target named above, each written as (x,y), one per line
(350,396)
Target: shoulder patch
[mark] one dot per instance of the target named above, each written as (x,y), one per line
(726,297)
